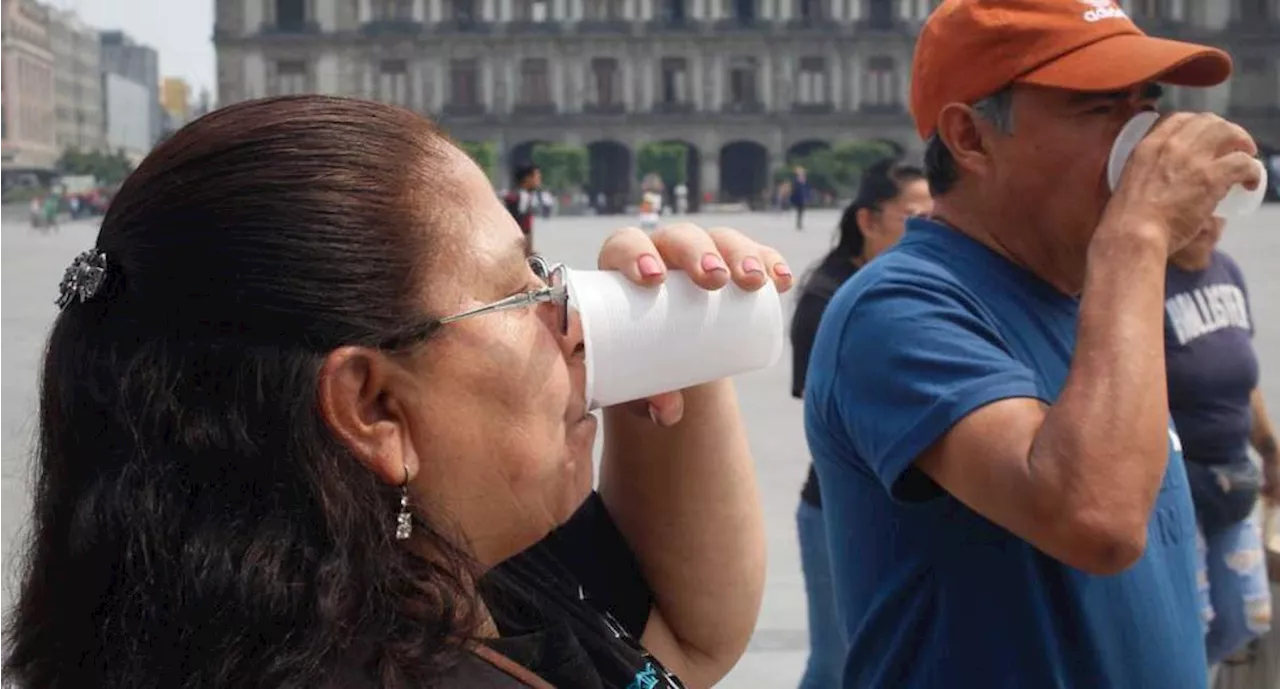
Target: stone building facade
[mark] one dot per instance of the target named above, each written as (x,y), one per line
(742,83)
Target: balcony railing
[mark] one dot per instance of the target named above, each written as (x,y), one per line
(813,108)
(534,109)
(532,27)
(464,26)
(604,26)
(813,24)
(676,108)
(752,107)
(733,24)
(464,109)
(604,108)
(392,27)
(674,24)
(289,29)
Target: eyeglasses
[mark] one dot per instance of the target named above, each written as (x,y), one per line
(556,292)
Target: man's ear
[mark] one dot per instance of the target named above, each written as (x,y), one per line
(358,401)
(966,138)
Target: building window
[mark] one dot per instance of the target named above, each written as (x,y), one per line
(811,87)
(809,11)
(291,78)
(880,82)
(606,82)
(673,11)
(462,11)
(531,11)
(535,86)
(391,10)
(393,82)
(916,10)
(743,10)
(880,14)
(291,15)
(1172,10)
(605,10)
(464,83)
(742,82)
(1255,11)
(675,81)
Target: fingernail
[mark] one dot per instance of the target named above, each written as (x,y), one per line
(712,263)
(653,415)
(782,270)
(649,266)
(751,265)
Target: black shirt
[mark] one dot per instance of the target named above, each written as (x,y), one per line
(572,607)
(816,293)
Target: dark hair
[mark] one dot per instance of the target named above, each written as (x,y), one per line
(524,171)
(882,182)
(196,524)
(940,164)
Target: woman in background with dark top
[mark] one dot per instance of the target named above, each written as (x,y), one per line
(888,195)
(1218,412)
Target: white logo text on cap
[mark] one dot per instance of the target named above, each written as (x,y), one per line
(1102,9)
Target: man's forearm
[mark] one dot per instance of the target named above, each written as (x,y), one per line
(1103,448)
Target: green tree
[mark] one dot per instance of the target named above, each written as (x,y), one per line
(666,160)
(564,167)
(483,152)
(107,168)
(838,169)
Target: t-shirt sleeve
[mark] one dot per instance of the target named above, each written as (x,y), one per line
(913,360)
(593,549)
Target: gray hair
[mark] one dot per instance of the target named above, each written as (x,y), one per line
(940,165)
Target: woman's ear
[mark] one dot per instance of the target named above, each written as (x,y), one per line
(357,401)
(866,221)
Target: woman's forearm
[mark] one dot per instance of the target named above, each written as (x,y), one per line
(686,500)
(1261,435)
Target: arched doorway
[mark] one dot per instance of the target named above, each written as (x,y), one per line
(609,176)
(800,149)
(521,154)
(744,172)
(692,175)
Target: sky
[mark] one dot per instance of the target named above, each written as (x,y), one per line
(180,30)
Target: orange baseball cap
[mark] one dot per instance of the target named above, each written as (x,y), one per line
(970,49)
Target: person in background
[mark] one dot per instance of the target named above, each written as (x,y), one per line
(986,405)
(1219,412)
(889,194)
(522,201)
(799,194)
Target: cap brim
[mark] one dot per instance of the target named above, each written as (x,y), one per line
(1119,62)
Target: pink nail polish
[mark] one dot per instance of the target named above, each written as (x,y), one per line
(649,266)
(712,263)
(782,270)
(751,265)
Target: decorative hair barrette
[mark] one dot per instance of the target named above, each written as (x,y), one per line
(83,279)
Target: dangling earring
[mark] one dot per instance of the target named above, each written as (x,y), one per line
(404,519)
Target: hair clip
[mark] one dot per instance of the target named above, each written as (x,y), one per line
(83,279)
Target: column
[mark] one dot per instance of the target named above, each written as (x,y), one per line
(709,174)
(855,9)
(253,15)
(646,10)
(255,75)
(326,14)
(487,10)
(766,85)
(694,78)
(834,77)
(697,9)
(854,80)
(486,84)
(419,10)
(507,14)
(764,10)
(904,9)
(441,86)
(559,11)
(575,9)
(714,9)
(650,76)
(434,11)
(629,10)
(628,83)
(327,73)
(785,8)
(717,82)
(510,85)
(556,65)
(364,11)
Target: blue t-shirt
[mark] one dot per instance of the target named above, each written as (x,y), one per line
(1210,359)
(931,593)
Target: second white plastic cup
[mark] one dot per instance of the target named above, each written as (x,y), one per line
(1238,201)
(641,341)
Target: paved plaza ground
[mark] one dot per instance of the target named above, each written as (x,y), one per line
(33,265)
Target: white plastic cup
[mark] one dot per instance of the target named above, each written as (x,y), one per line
(641,341)
(1238,201)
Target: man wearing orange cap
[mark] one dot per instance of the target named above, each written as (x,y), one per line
(986,403)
